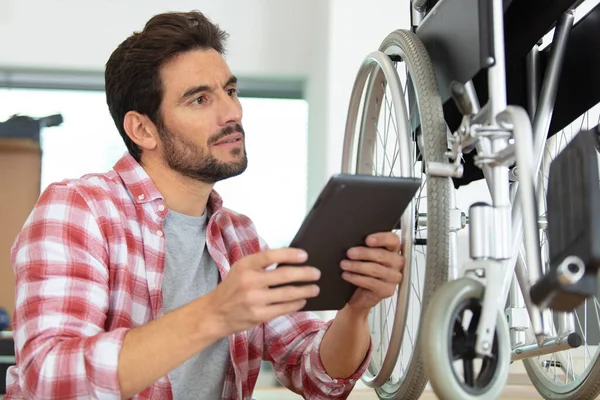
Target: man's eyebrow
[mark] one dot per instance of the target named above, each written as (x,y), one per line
(195,90)
(231,81)
(206,88)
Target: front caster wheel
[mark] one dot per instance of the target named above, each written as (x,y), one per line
(454,369)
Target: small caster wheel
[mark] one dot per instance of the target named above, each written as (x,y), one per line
(453,367)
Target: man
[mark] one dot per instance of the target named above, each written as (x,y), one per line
(137,283)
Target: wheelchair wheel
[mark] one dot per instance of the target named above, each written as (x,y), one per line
(573,373)
(454,368)
(395,124)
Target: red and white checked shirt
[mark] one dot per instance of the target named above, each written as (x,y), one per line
(89,265)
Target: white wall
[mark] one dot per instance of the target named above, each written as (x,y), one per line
(267,37)
(317,89)
(354,29)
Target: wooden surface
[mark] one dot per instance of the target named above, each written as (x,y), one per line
(20,166)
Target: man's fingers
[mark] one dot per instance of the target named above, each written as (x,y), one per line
(376,255)
(290,293)
(277,310)
(388,240)
(373,270)
(281,301)
(262,260)
(284,275)
(380,288)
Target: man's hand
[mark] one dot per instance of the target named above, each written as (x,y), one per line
(375,269)
(245,298)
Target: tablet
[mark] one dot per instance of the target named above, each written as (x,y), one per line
(348,209)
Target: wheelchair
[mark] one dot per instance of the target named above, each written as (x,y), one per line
(470,92)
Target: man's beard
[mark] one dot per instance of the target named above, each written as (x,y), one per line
(191,160)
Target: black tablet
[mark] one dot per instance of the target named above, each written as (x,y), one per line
(349,208)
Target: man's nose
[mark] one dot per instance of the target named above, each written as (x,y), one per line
(231,110)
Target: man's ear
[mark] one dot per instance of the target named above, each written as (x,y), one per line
(141,130)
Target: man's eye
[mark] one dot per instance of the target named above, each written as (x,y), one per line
(232,92)
(199,100)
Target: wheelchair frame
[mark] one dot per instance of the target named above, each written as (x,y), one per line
(501,134)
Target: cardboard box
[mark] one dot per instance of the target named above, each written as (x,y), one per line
(20,176)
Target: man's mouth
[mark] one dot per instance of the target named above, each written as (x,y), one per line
(229,139)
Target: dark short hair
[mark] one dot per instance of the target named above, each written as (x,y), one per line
(132,75)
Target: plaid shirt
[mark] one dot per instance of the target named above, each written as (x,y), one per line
(89,265)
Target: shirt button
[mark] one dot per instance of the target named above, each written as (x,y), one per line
(141,197)
(159,232)
(161,208)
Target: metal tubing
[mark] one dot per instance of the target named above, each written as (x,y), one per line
(566,322)
(472,94)
(532,80)
(539,328)
(453,268)
(543,114)
(560,343)
(497,72)
(545,107)
(516,301)
(524,211)
(483,116)
(481,229)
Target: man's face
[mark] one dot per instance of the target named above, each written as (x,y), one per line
(201,133)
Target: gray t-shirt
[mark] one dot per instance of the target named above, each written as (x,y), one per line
(190,272)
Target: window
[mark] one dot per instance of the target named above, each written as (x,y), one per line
(272,191)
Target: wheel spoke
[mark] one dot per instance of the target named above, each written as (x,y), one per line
(469,372)
(566,371)
(380,154)
(474,322)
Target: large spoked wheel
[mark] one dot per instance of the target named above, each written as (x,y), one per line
(573,373)
(456,371)
(395,124)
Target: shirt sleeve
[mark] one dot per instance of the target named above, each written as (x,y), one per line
(62,297)
(292,344)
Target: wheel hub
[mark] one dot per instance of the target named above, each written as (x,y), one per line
(463,339)
(463,343)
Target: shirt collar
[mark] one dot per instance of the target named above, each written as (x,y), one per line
(143,190)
